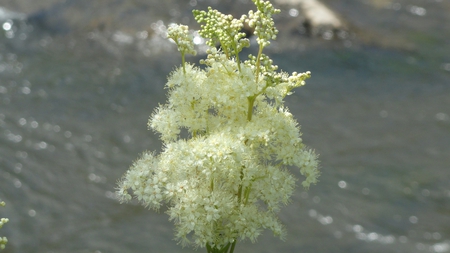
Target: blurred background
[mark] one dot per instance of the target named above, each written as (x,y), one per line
(79,79)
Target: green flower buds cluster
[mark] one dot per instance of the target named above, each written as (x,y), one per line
(222,29)
(262,21)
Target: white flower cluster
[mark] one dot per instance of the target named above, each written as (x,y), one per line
(3,240)
(226,176)
(180,35)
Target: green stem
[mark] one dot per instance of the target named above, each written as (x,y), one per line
(237,58)
(225,249)
(258,62)
(251,101)
(183,62)
(208,248)
(240,186)
(239,193)
(233,246)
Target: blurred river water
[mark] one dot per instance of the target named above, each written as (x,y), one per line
(78,81)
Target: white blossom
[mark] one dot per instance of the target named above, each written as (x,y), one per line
(228,179)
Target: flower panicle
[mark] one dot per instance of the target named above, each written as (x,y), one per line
(228,139)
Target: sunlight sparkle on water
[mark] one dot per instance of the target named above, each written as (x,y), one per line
(7,25)
(419,11)
(293,12)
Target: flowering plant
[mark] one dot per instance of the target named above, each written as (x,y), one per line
(227,180)
(3,240)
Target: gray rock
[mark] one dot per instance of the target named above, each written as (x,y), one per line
(318,18)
